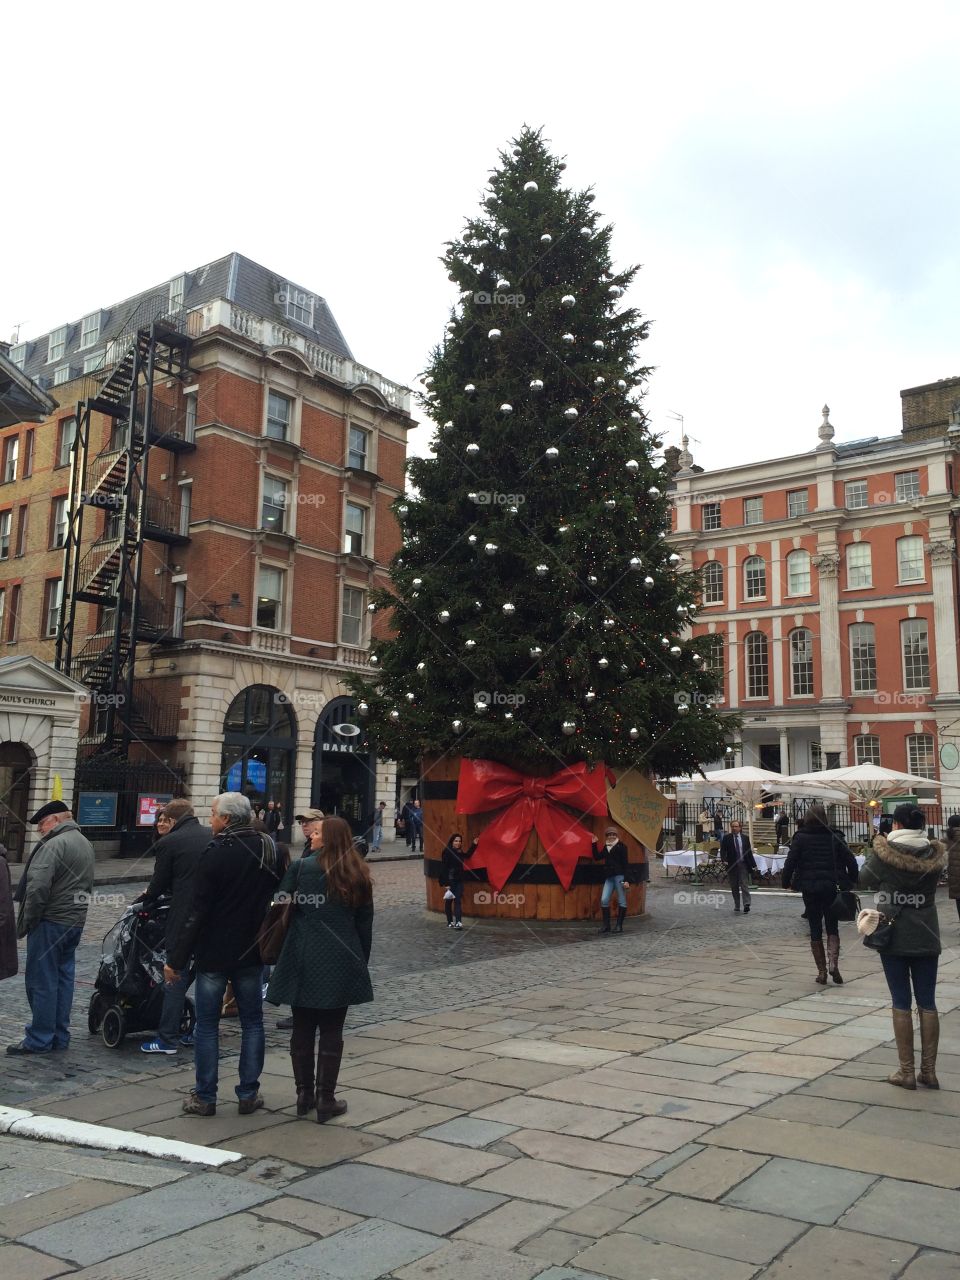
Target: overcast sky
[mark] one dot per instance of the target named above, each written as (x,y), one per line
(786,175)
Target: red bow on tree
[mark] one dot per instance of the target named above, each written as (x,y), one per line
(533,802)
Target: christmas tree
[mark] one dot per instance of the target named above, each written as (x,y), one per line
(538,611)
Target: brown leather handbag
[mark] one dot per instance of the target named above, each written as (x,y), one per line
(273,931)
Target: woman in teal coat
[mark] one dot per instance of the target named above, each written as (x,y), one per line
(322,968)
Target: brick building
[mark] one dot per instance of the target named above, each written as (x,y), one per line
(215,491)
(830,598)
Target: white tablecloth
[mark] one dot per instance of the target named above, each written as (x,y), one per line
(689,858)
(861,859)
(772,862)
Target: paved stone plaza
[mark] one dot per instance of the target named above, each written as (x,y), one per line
(531,1101)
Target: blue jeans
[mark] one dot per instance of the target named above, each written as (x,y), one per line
(899,970)
(174,994)
(614,882)
(51,965)
(209,1001)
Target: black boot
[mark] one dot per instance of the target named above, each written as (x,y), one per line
(303,1076)
(621,916)
(329,1055)
(605,927)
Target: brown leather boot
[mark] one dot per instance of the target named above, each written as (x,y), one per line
(303,1077)
(929,1042)
(329,1055)
(903,1031)
(833,953)
(816,946)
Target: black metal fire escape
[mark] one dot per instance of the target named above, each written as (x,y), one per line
(113,571)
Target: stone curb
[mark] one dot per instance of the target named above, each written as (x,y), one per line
(78,1133)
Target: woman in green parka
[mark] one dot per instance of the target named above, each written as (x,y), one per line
(904,868)
(322,968)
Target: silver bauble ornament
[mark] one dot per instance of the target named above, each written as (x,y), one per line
(609,624)
(552,454)
(621,385)
(448,425)
(473,449)
(443,615)
(517,152)
(636,562)
(585,232)
(513,511)
(636,416)
(603,663)
(363,708)
(567,337)
(634,734)
(371,608)
(536,384)
(530,186)
(568,727)
(598,345)
(491,548)
(571,413)
(611,429)
(506,408)
(564,528)
(653,492)
(610,503)
(480,707)
(494,334)
(508,715)
(682,609)
(374,659)
(696,657)
(665,642)
(590,696)
(674,558)
(683,708)
(477,605)
(502,284)
(428,381)
(535,651)
(599,382)
(675,650)
(470,644)
(568,300)
(472,539)
(410,697)
(469,389)
(394,715)
(509,609)
(615,291)
(456,725)
(452,327)
(592,579)
(546,238)
(403,509)
(633,466)
(418,582)
(648,581)
(421,666)
(542,570)
(491,202)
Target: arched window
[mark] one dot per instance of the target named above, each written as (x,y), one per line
(754,578)
(758,669)
(801,663)
(259,745)
(713,582)
(798,573)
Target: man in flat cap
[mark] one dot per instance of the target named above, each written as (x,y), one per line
(53,896)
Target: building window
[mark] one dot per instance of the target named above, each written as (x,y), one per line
(92,363)
(906,486)
(855,494)
(753,511)
(62,375)
(713,652)
(801,663)
(798,573)
(52,595)
(22,530)
(710,516)
(351,621)
(859,566)
(18,355)
(910,559)
(798,503)
(179,610)
(758,673)
(713,583)
(176,293)
(916,653)
(357,454)
(90,331)
(13,617)
(190,415)
(355,527)
(754,578)
(56,344)
(278,416)
(816,757)
(28,447)
(186,498)
(68,433)
(276,499)
(866,749)
(863,657)
(11,453)
(3,607)
(920,758)
(269,598)
(298,306)
(58,522)
(6,523)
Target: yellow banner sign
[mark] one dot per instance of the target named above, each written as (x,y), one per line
(637,805)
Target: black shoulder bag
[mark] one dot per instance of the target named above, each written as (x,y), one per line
(846,905)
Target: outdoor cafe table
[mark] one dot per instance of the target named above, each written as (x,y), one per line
(770,863)
(686,859)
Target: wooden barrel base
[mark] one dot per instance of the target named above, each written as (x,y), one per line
(521,901)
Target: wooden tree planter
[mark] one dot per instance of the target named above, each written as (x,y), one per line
(534,893)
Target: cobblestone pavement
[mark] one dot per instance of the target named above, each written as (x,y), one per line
(418,966)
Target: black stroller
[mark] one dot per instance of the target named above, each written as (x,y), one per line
(128,992)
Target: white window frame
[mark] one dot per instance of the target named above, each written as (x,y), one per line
(63,456)
(713,582)
(863,570)
(750,567)
(925,767)
(349,534)
(359,617)
(798,508)
(278,600)
(288,433)
(178,287)
(298,306)
(915,560)
(59,519)
(713,510)
(753,669)
(52,603)
(93,362)
(915,654)
(6,532)
(11,458)
(816,757)
(715,651)
(61,375)
(855,506)
(866,749)
(364,465)
(56,344)
(794,557)
(863,657)
(753,514)
(18,355)
(13,617)
(903,492)
(800,665)
(90,330)
(270,483)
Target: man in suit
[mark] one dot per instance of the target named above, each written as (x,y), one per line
(737,854)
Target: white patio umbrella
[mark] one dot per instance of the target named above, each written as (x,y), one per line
(865,783)
(748,783)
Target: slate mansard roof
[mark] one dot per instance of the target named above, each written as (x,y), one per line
(236,278)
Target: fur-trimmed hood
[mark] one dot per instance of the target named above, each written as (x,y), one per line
(910,851)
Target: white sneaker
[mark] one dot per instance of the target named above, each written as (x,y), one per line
(458,925)
(450,925)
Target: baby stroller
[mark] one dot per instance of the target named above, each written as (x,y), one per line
(128,992)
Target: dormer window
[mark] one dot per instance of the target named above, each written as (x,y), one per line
(18,355)
(177,290)
(56,344)
(298,306)
(90,331)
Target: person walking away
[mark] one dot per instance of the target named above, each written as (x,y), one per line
(718,822)
(615,858)
(376,829)
(904,869)
(953,858)
(234,880)
(451,877)
(323,966)
(738,858)
(8,921)
(416,826)
(53,896)
(818,864)
(182,840)
(782,828)
(406,818)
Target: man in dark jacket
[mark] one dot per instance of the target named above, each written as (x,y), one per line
(615,857)
(737,854)
(182,840)
(234,881)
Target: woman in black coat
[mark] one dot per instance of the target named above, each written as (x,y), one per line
(819,863)
(616,858)
(322,968)
(451,875)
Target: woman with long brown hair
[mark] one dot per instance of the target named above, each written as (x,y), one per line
(322,969)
